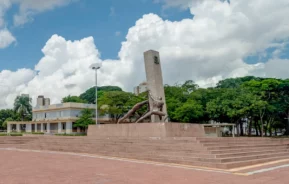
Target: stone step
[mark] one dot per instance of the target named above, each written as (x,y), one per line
(240,143)
(236,150)
(247,153)
(254,157)
(119,147)
(168,143)
(242,146)
(195,157)
(150,145)
(231,165)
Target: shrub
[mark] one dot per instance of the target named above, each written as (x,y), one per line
(38,133)
(15,134)
(82,134)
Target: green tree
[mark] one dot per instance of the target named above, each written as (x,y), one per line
(89,95)
(117,103)
(74,99)
(284,102)
(4,125)
(22,105)
(189,112)
(236,82)
(85,119)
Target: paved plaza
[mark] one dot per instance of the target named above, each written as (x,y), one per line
(27,166)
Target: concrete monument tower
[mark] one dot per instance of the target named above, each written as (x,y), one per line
(155,81)
(157,108)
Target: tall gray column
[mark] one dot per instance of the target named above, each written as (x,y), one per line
(59,128)
(35,127)
(155,79)
(68,127)
(9,128)
(28,127)
(42,128)
(18,128)
(48,127)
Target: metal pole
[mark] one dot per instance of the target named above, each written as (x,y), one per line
(96,96)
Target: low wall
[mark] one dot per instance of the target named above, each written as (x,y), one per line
(147,130)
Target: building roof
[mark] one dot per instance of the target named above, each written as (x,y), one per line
(64,106)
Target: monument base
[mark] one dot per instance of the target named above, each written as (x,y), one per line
(147,130)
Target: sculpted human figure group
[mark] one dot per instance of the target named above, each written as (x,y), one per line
(157,109)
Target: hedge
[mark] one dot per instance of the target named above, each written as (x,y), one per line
(70,134)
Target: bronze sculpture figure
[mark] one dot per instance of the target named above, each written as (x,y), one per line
(157,109)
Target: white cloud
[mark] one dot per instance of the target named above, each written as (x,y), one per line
(28,8)
(178,3)
(12,83)
(6,38)
(208,48)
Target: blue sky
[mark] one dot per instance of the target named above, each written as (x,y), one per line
(98,18)
(222,40)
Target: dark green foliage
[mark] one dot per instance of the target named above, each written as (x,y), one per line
(78,134)
(74,99)
(85,119)
(22,106)
(264,101)
(38,133)
(117,103)
(89,95)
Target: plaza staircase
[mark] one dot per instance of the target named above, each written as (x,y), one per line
(222,153)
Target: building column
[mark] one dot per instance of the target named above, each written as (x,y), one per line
(18,128)
(48,127)
(35,127)
(28,127)
(68,127)
(41,127)
(59,128)
(8,128)
(78,130)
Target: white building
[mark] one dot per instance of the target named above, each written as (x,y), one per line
(58,118)
(142,87)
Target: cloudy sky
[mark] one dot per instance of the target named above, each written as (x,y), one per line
(47,46)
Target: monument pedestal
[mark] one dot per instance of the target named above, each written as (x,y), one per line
(147,130)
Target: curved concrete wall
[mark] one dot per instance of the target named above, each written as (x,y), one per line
(147,130)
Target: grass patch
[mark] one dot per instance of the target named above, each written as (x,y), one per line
(11,134)
(16,134)
(82,134)
(38,133)
(281,137)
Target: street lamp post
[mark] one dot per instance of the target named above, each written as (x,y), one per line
(95,67)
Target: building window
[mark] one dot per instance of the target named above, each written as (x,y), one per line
(63,126)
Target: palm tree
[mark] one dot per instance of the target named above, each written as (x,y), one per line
(22,105)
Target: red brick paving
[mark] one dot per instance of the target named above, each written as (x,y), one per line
(43,168)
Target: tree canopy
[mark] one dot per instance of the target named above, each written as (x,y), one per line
(74,99)
(85,119)
(22,105)
(117,103)
(262,102)
(89,95)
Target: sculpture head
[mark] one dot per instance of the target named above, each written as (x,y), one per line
(160,98)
